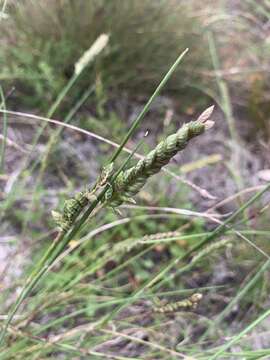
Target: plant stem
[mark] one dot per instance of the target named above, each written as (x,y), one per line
(148,104)
(4,140)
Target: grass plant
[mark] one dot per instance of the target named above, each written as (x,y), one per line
(60,242)
(116,279)
(134,46)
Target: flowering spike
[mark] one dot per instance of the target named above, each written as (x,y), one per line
(129,182)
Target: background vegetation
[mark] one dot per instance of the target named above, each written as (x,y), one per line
(98,298)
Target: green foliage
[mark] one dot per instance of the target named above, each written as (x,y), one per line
(127,262)
(145,36)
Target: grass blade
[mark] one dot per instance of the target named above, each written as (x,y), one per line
(148,104)
(4,141)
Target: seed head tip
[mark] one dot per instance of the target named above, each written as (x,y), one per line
(205,115)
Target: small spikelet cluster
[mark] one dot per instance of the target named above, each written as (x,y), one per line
(186,304)
(129,182)
(158,236)
(210,249)
(124,247)
(74,206)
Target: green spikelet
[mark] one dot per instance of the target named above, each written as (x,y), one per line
(129,182)
(186,304)
(210,249)
(63,224)
(74,206)
(57,217)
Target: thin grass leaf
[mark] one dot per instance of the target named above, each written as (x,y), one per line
(236,338)
(4,139)
(148,104)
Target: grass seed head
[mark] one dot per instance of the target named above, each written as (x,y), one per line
(130,181)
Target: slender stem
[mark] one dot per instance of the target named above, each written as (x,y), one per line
(240,335)
(223,89)
(4,141)
(50,145)
(51,112)
(243,291)
(62,95)
(148,104)
(54,136)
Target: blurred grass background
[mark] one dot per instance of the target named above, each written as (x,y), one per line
(113,256)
